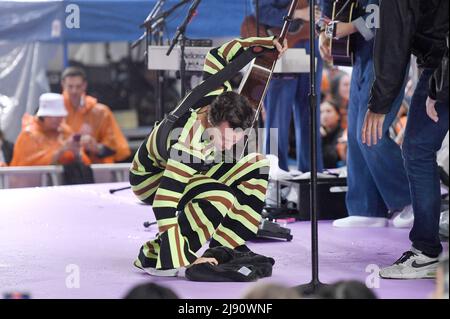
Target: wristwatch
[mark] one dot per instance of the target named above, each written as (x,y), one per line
(331,29)
(321,25)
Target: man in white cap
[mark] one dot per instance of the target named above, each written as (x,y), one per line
(45,138)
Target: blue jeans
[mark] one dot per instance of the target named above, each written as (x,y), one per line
(423,138)
(377,179)
(283,97)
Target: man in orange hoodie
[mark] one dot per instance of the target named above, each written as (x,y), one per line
(101,136)
(45,139)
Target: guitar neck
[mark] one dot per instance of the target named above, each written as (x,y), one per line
(288,21)
(255,83)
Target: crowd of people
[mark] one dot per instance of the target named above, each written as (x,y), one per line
(70,129)
(385,126)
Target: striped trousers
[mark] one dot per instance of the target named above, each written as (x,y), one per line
(222,205)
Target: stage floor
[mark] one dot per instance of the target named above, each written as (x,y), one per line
(49,235)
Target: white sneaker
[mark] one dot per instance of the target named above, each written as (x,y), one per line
(161,272)
(360,221)
(412,265)
(404,218)
(157,272)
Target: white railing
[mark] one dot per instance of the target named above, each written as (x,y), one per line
(29,176)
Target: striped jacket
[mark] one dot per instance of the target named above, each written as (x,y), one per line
(190,153)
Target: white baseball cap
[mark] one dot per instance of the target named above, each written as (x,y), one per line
(51,104)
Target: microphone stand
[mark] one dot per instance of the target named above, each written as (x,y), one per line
(159,23)
(113,190)
(149,27)
(155,25)
(164,15)
(181,33)
(315,284)
(257,17)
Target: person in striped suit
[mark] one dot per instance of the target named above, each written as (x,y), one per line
(197,195)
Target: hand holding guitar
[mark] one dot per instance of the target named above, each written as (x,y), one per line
(281,48)
(324,48)
(336,42)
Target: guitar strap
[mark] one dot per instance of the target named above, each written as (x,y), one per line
(209,85)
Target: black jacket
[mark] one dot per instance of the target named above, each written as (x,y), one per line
(439,80)
(234,266)
(7,149)
(407,27)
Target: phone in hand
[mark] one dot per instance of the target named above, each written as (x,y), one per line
(77,138)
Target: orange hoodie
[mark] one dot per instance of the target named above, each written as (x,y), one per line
(97,120)
(34,146)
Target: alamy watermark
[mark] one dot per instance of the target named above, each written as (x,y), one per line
(373,279)
(73,17)
(73,276)
(373,19)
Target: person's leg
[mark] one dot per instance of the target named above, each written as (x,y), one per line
(363,197)
(384,160)
(248,180)
(423,138)
(302,113)
(278,106)
(202,208)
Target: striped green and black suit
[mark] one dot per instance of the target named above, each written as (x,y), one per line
(199,200)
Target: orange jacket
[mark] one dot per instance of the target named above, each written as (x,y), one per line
(98,121)
(36,147)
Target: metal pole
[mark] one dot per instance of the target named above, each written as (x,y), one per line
(315,283)
(313,142)
(183,65)
(257,17)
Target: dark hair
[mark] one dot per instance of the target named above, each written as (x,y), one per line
(334,87)
(73,71)
(350,289)
(150,291)
(335,106)
(233,108)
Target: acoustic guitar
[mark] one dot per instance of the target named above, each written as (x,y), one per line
(342,50)
(298,30)
(256,80)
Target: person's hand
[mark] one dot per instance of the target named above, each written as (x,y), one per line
(89,143)
(431,109)
(202,260)
(3,164)
(324,48)
(281,48)
(372,129)
(71,145)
